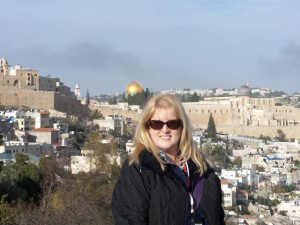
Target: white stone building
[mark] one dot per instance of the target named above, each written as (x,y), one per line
(36,149)
(229,193)
(86,162)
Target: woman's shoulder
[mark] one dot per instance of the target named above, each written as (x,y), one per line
(148,161)
(211,175)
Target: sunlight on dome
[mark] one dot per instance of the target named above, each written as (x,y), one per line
(133,87)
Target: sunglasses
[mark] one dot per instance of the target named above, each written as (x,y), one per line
(171,124)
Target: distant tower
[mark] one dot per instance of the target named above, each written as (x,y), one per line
(4,67)
(77,91)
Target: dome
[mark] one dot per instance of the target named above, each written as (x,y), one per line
(133,88)
(244,91)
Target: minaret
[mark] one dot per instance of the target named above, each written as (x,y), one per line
(77,91)
(4,66)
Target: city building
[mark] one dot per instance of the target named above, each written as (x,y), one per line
(24,87)
(228,193)
(44,135)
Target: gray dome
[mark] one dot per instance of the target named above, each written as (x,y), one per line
(244,91)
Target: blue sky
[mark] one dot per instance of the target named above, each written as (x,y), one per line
(105,44)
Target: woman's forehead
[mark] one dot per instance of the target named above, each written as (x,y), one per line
(164,112)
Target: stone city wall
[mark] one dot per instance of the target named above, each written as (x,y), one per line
(226,121)
(45,100)
(256,131)
(106,111)
(21,97)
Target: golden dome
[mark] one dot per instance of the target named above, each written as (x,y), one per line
(133,88)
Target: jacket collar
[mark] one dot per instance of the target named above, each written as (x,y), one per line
(148,161)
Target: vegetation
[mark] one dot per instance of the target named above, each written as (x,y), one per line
(283,188)
(113,101)
(282,213)
(259,168)
(297,163)
(1,140)
(20,181)
(62,198)
(237,162)
(95,114)
(217,155)
(281,135)
(7,213)
(211,128)
(139,98)
(190,97)
(88,98)
(264,138)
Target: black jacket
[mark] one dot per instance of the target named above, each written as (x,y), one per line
(147,195)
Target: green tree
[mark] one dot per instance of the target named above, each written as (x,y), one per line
(88,99)
(1,140)
(139,98)
(281,135)
(7,213)
(113,100)
(237,161)
(100,151)
(21,159)
(123,98)
(259,168)
(20,180)
(297,163)
(195,97)
(211,128)
(95,114)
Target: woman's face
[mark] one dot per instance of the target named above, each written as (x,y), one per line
(165,138)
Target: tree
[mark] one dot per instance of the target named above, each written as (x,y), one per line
(21,159)
(113,100)
(281,135)
(7,213)
(20,180)
(88,100)
(238,162)
(95,114)
(195,98)
(211,128)
(101,151)
(1,140)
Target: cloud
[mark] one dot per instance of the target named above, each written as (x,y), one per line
(85,62)
(284,69)
(286,63)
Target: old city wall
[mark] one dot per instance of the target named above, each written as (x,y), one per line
(286,112)
(46,100)
(20,97)
(106,111)
(70,105)
(256,131)
(226,122)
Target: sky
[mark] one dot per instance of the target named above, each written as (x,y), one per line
(103,45)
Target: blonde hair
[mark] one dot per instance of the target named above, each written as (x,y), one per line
(143,140)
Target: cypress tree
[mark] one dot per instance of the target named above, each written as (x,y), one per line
(211,128)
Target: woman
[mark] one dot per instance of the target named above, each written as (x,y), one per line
(166,181)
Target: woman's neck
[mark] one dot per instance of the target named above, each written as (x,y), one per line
(172,156)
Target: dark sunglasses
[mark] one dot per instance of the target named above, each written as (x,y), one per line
(158,124)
